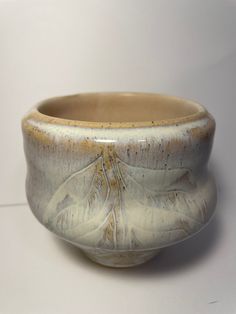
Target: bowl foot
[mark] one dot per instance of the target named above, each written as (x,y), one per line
(120,259)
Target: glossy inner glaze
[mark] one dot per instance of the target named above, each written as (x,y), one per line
(118,107)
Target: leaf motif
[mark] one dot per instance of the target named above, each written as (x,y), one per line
(113,205)
(79,200)
(159,203)
(159,180)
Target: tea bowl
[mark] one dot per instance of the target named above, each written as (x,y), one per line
(120,175)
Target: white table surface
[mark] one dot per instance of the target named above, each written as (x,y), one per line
(42,274)
(48,48)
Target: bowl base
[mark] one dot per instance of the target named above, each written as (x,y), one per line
(120,259)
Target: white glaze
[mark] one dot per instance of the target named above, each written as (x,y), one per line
(125,195)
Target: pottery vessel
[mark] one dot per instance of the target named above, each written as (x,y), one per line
(120,175)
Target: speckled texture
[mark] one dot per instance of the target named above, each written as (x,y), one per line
(120,191)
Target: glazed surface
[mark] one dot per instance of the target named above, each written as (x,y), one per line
(110,108)
(126,189)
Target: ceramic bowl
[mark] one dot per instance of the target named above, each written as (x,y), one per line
(120,175)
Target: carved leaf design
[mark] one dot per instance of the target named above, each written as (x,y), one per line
(160,203)
(81,200)
(111,204)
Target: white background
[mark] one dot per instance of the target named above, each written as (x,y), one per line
(180,47)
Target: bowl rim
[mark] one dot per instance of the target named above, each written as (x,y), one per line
(39,116)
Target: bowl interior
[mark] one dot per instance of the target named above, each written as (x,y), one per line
(118,107)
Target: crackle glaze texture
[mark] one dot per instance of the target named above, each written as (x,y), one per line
(119,193)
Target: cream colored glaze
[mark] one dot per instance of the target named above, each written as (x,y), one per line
(128,189)
(119,107)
